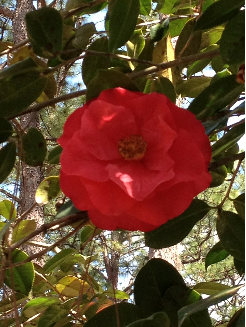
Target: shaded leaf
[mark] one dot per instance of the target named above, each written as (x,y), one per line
(218,176)
(7,160)
(135,46)
(175,230)
(6,130)
(122,22)
(23,229)
(53,314)
(197,66)
(54,155)
(37,305)
(48,189)
(216,254)
(87,232)
(159,319)
(11,301)
(145,7)
(7,209)
(159,31)
(57,259)
(230,228)
(238,319)
(239,204)
(193,87)
(83,35)
(240,266)
(165,86)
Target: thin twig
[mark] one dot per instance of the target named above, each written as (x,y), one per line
(239,156)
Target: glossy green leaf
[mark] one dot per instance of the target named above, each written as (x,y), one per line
(20,278)
(23,229)
(11,301)
(194,86)
(122,313)
(116,294)
(238,319)
(44,27)
(205,303)
(54,155)
(211,37)
(7,209)
(151,283)
(240,266)
(239,204)
(210,288)
(216,254)
(91,64)
(159,319)
(123,19)
(218,13)
(108,79)
(52,315)
(175,230)
(57,259)
(48,189)
(66,209)
(160,30)
(230,228)
(165,86)
(216,97)
(7,160)
(20,85)
(6,130)
(232,43)
(176,26)
(33,151)
(145,7)
(83,35)
(228,140)
(197,66)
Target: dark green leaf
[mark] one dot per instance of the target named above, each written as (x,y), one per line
(164,85)
(83,4)
(145,7)
(44,27)
(48,189)
(91,64)
(218,13)
(166,7)
(54,155)
(240,266)
(205,303)
(216,97)
(6,130)
(55,261)
(152,282)
(238,319)
(83,35)
(33,151)
(7,160)
(87,232)
(108,79)
(232,43)
(216,254)
(52,315)
(239,204)
(175,230)
(197,66)
(66,209)
(20,278)
(160,30)
(20,85)
(218,176)
(121,314)
(159,319)
(228,140)
(230,228)
(194,86)
(123,19)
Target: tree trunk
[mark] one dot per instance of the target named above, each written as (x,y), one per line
(170,254)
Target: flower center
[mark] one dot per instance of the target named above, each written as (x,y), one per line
(132,147)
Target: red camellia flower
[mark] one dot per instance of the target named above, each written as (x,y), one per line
(133,160)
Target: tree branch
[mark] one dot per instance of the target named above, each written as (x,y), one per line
(6,12)
(239,156)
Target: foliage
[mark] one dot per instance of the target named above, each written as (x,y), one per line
(135,51)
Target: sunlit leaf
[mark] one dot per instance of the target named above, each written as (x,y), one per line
(48,189)
(216,254)
(23,229)
(7,209)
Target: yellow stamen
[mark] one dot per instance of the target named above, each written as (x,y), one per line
(132,147)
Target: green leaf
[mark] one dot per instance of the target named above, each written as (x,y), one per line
(7,209)
(228,140)
(176,26)
(219,175)
(194,86)
(165,86)
(197,66)
(230,228)
(159,319)
(116,294)
(55,261)
(48,189)
(238,319)
(218,13)
(210,288)
(53,314)
(240,266)
(44,28)
(175,230)
(20,85)
(11,302)
(20,278)
(38,305)
(7,160)
(6,130)
(23,229)
(135,45)
(151,283)
(216,97)
(91,64)
(239,204)
(215,255)
(34,149)
(205,303)
(54,155)
(66,209)
(83,4)
(123,19)
(166,7)
(108,79)
(159,31)
(87,232)
(121,314)
(83,35)
(232,43)
(145,7)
